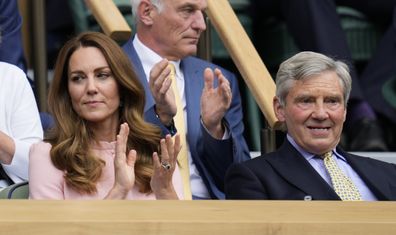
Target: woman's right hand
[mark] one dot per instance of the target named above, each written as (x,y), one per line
(161,181)
(124,166)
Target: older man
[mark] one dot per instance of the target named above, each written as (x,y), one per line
(312,91)
(167,32)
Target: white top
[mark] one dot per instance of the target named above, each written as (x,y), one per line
(149,59)
(19,119)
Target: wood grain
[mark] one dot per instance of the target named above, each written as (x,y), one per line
(110,19)
(196,217)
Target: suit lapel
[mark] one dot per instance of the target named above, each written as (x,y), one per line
(193,81)
(297,171)
(375,180)
(138,68)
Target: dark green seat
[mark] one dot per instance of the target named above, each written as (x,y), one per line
(362,37)
(16,191)
(85,21)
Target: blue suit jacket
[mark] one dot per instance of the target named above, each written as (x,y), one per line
(11,47)
(212,157)
(286,175)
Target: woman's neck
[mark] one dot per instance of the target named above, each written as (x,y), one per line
(104,131)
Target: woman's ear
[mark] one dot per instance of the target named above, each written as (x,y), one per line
(146,12)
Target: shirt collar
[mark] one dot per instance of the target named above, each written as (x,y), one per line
(307,155)
(149,57)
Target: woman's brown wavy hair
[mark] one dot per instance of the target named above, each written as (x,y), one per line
(71,137)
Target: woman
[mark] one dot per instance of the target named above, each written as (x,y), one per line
(94,95)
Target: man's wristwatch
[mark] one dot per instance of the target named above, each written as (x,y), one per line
(170,127)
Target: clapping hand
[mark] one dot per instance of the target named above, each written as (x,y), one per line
(164,166)
(160,86)
(215,102)
(123,166)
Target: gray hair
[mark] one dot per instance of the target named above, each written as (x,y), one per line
(305,64)
(135,4)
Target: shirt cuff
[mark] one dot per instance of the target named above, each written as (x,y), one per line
(226,134)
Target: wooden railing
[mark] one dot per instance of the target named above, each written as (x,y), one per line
(21,217)
(110,19)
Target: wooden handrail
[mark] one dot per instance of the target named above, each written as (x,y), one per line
(20,217)
(110,19)
(245,57)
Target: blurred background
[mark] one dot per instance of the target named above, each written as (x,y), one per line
(47,24)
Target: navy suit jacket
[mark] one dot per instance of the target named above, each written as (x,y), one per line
(286,175)
(11,47)
(212,157)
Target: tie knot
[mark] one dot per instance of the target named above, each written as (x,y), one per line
(172,73)
(327,155)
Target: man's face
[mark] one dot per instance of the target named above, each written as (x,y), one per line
(177,28)
(314,112)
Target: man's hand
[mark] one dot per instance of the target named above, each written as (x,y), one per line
(160,86)
(215,102)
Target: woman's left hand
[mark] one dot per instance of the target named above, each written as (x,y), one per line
(161,181)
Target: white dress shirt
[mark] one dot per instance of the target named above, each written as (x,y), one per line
(19,119)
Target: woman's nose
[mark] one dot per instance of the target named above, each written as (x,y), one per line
(91,86)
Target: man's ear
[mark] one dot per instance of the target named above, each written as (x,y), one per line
(278,109)
(145,12)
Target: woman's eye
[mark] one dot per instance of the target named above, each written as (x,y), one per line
(103,75)
(76,78)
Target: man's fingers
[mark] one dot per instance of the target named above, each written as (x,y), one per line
(209,77)
(158,75)
(158,68)
(218,73)
(165,86)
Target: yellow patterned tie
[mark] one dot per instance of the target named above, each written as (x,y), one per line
(342,184)
(182,158)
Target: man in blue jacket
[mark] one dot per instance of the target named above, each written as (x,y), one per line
(168,32)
